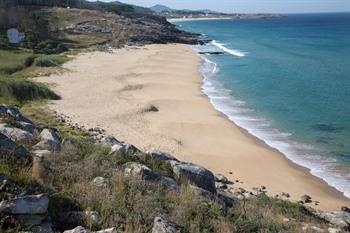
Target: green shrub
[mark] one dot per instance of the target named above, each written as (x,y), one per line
(13,61)
(49,61)
(50,47)
(24,90)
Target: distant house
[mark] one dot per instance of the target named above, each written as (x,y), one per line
(14,36)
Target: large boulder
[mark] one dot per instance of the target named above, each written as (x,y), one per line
(78,229)
(157,154)
(15,114)
(7,146)
(160,225)
(29,204)
(140,171)
(169,183)
(338,218)
(15,133)
(195,174)
(120,149)
(49,141)
(108,141)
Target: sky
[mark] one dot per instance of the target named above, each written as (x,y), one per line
(252,6)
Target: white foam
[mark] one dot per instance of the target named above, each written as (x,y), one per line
(300,153)
(233,52)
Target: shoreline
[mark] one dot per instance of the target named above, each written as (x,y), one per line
(175,20)
(186,125)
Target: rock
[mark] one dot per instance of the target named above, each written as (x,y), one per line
(16,115)
(108,141)
(308,228)
(79,217)
(41,153)
(27,126)
(306,199)
(120,149)
(345,209)
(15,133)
(7,146)
(227,201)
(160,225)
(29,204)
(212,53)
(30,219)
(221,178)
(287,195)
(338,218)
(221,186)
(140,171)
(169,183)
(100,182)
(157,154)
(49,141)
(109,230)
(196,175)
(78,229)
(334,230)
(45,227)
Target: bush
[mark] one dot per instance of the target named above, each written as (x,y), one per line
(24,90)
(13,61)
(49,61)
(50,47)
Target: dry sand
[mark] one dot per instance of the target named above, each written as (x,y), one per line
(115,90)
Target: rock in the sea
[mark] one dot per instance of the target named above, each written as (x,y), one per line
(15,133)
(160,225)
(157,154)
(7,146)
(100,182)
(29,204)
(338,218)
(140,171)
(49,141)
(196,175)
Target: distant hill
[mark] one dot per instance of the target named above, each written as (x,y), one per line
(161,8)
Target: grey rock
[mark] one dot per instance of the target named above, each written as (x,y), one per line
(338,218)
(196,175)
(227,200)
(109,230)
(160,225)
(169,183)
(309,228)
(221,178)
(100,182)
(7,146)
(29,204)
(345,209)
(30,219)
(157,154)
(78,229)
(29,127)
(221,186)
(15,133)
(44,227)
(334,230)
(49,141)
(41,153)
(140,171)
(108,141)
(131,149)
(16,115)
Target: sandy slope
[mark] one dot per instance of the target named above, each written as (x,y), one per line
(114,91)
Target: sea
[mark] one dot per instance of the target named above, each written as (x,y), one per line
(287,82)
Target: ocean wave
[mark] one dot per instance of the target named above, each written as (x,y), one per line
(299,153)
(233,52)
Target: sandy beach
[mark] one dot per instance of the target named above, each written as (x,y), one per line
(118,92)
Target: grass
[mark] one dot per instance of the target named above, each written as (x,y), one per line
(12,61)
(50,60)
(21,91)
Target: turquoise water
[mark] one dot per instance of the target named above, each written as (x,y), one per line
(287,81)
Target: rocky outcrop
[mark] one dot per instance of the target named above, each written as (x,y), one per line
(9,147)
(157,154)
(139,171)
(121,149)
(337,218)
(26,205)
(195,174)
(15,133)
(81,229)
(49,141)
(161,225)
